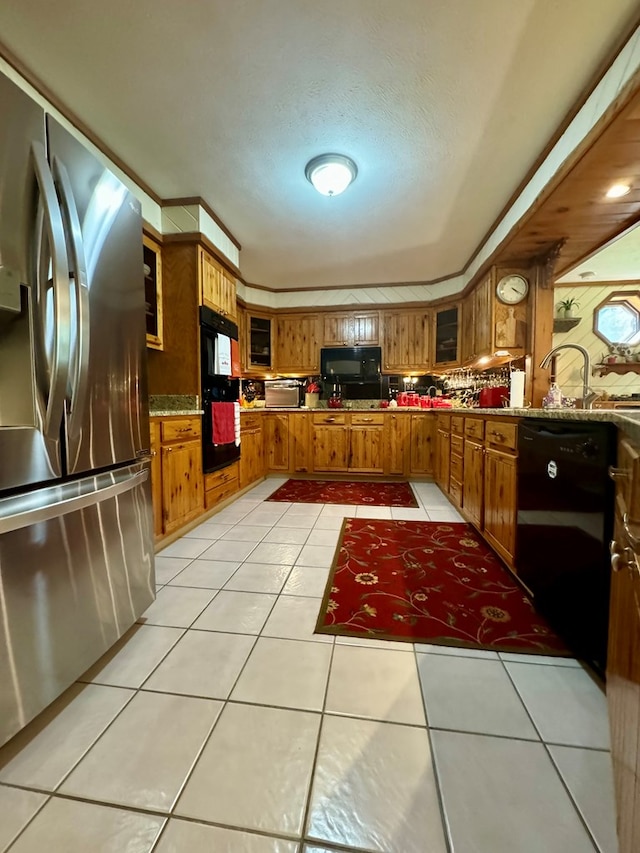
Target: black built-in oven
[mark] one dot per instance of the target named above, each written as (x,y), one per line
(215,388)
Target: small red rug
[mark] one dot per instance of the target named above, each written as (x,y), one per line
(429,582)
(340,492)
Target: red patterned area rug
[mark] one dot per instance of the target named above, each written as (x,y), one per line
(429,582)
(340,492)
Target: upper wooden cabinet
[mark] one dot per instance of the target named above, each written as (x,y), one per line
(446,336)
(259,343)
(152,256)
(351,328)
(297,343)
(489,325)
(217,287)
(406,341)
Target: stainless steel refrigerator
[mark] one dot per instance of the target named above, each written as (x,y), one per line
(76,532)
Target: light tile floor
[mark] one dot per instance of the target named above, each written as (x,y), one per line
(222,723)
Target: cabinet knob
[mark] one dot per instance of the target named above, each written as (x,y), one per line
(154,452)
(366,420)
(169,449)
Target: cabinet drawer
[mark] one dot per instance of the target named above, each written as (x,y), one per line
(502,435)
(178,429)
(444,423)
(457,444)
(219,493)
(364,419)
(221,477)
(455,490)
(330,418)
(474,428)
(457,424)
(250,423)
(457,467)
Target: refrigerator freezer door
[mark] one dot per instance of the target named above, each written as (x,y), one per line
(107,412)
(34,299)
(76,570)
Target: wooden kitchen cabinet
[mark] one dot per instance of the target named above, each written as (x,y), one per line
(276,441)
(446,336)
(217,287)
(477,320)
(623,656)
(456,463)
(351,328)
(182,483)
(406,341)
(423,429)
(259,343)
(330,442)
(366,439)
(156,478)
(299,443)
(220,485)
(443,451)
(297,344)
(397,445)
(473,482)
(152,258)
(500,482)
(251,449)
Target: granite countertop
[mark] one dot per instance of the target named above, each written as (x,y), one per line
(167,413)
(167,405)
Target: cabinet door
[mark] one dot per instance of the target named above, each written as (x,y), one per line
(446,322)
(397,444)
(330,448)
(300,443)
(443,459)
(483,316)
(156,478)
(406,340)
(297,349)
(366,453)
(251,457)
(337,329)
(473,483)
(229,303)
(217,288)
(467,335)
(276,442)
(182,483)
(366,328)
(152,257)
(422,439)
(500,502)
(259,343)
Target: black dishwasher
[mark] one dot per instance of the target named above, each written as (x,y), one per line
(565,522)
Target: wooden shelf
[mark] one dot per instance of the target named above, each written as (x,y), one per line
(621,367)
(563,324)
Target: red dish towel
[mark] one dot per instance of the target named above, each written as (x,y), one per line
(223,417)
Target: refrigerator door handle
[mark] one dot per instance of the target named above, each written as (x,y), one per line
(25,510)
(61,355)
(80,378)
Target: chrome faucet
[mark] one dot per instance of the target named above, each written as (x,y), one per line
(587,396)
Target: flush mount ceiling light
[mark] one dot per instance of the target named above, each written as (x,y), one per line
(331,174)
(618,190)
(587,274)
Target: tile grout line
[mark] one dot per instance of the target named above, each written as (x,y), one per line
(550,757)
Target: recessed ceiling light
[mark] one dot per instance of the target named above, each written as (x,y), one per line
(331,174)
(587,274)
(618,190)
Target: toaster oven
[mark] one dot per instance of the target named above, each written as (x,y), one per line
(283,393)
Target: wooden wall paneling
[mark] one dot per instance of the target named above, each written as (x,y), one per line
(176,369)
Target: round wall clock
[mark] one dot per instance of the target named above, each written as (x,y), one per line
(512,289)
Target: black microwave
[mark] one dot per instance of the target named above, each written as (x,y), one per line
(351,364)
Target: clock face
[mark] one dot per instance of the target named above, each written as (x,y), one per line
(512,289)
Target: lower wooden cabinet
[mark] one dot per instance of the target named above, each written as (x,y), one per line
(442,458)
(251,449)
(366,443)
(156,478)
(473,485)
(500,481)
(221,484)
(182,483)
(276,442)
(299,443)
(330,442)
(396,443)
(423,429)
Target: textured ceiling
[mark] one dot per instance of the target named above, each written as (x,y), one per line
(444,105)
